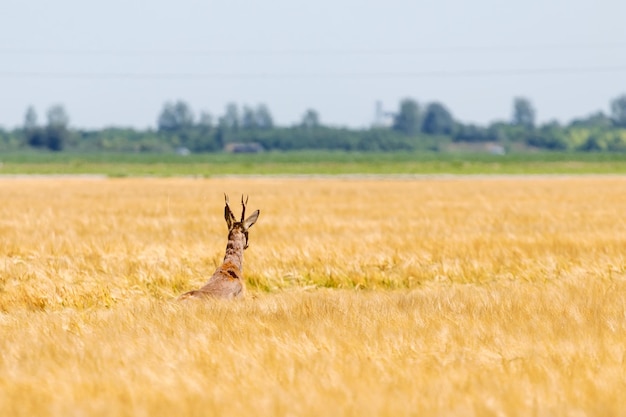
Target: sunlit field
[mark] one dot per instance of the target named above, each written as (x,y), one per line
(449,296)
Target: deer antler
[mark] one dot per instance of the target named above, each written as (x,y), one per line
(243,210)
(228,213)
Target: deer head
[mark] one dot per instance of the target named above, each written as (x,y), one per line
(244,224)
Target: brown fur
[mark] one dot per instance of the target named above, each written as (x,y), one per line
(227,280)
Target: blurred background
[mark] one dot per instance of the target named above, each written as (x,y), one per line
(206,76)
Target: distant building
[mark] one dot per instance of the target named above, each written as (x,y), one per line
(183,151)
(249,147)
(496,149)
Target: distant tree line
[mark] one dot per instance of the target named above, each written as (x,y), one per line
(411,127)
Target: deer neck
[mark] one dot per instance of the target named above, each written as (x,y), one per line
(235,248)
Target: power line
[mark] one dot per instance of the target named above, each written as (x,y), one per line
(310,76)
(313,52)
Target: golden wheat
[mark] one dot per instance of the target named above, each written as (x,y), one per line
(483,296)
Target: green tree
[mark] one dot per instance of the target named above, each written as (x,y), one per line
(33,134)
(472,133)
(175,117)
(523,113)
(30,118)
(550,136)
(263,117)
(202,137)
(248,119)
(437,120)
(259,118)
(230,120)
(599,120)
(618,110)
(57,116)
(205,121)
(407,120)
(310,119)
(57,132)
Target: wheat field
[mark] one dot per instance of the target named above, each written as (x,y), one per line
(466,296)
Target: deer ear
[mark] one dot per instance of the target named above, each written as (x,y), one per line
(251,220)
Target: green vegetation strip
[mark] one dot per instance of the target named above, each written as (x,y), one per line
(310,163)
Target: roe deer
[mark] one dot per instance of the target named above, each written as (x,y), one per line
(227,280)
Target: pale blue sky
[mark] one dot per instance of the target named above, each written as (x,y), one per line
(116,62)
